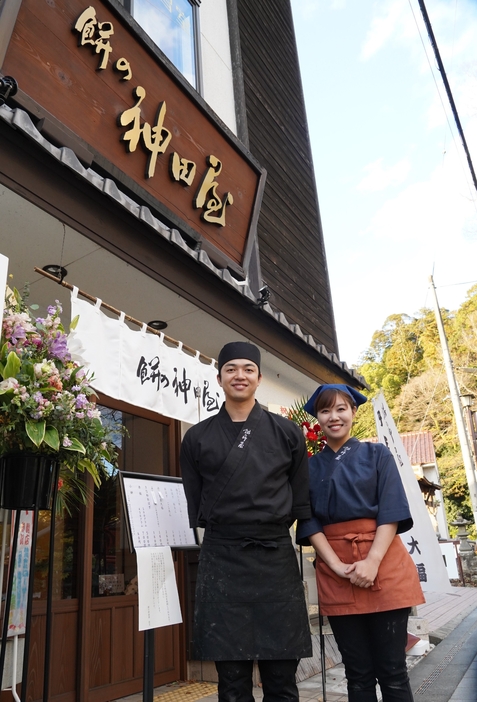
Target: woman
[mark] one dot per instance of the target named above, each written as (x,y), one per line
(367,581)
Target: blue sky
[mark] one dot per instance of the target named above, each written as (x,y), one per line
(396,196)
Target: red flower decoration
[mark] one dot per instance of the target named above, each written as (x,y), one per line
(312,436)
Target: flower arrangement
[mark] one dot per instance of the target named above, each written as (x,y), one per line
(46,401)
(314,437)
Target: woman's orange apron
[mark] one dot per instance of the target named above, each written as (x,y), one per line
(396,584)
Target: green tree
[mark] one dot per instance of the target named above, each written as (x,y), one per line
(404,360)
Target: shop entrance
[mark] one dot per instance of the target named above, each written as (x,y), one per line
(97,650)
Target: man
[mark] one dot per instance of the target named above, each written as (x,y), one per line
(245,476)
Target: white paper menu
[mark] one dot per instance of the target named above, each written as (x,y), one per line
(157,512)
(158,596)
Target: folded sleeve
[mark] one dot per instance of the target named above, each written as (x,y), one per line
(306,528)
(392,500)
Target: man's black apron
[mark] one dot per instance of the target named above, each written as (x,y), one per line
(249,599)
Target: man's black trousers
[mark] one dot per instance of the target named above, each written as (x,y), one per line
(278,680)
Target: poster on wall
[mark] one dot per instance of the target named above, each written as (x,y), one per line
(140,368)
(420,541)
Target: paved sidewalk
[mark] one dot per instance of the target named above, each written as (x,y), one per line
(448,673)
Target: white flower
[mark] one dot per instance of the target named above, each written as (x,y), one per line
(9,384)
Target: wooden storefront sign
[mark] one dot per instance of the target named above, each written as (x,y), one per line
(85,65)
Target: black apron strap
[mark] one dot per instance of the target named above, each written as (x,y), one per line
(236,457)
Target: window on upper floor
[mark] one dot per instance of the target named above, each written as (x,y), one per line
(173,25)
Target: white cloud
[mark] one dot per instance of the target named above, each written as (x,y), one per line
(382,28)
(429,226)
(427,214)
(397,20)
(378,177)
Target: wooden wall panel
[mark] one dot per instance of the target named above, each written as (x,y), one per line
(36,661)
(122,656)
(100,648)
(291,244)
(165,654)
(63,653)
(63,658)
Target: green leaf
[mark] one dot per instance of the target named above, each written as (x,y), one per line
(105,454)
(36,431)
(52,438)
(47,388)
(86,464)
(75,446)
(29,369)
(12,366)
(74,322)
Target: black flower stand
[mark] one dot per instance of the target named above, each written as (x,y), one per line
(28,482)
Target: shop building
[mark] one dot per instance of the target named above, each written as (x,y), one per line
(159,152)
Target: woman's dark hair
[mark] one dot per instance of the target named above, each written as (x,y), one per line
(327,399)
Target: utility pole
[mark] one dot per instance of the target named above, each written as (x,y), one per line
(459,419)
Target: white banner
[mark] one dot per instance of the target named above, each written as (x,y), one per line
(3,281)
(421,541)
(139,368)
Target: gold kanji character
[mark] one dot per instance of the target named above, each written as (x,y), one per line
(181,169)
(87,25)
(214,207)
(156,139)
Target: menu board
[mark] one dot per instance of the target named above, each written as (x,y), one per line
(156,510)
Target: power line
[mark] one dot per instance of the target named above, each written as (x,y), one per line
(451,131)
(447,87)
(450,285)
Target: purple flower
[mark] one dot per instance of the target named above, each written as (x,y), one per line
(81,401)
(66,442)
(18,333)
(58,347)
(40,320)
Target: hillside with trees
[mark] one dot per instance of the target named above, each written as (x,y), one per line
(404,359)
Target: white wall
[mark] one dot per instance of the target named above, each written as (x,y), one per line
(218,89)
